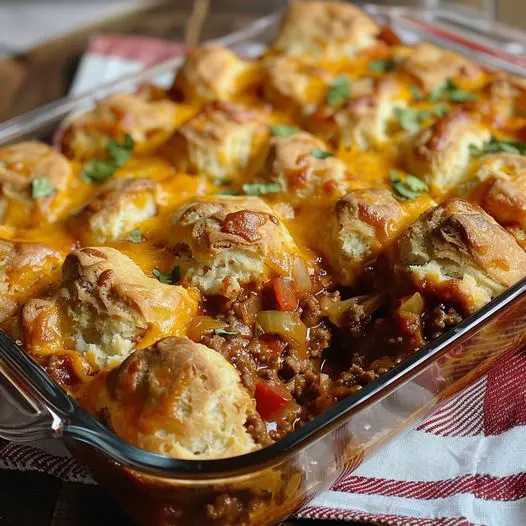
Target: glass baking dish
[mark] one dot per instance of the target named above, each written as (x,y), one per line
(266,486)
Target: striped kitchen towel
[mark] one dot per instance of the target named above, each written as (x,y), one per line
(464,465)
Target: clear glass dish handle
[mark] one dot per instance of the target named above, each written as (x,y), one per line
(28,412)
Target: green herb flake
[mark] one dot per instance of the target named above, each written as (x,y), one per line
(98,171)
(440,109)
(321,154)
(408,188)
(229,191)
(438,93)
(222,181)
(495,145)
(41,187)
(261,188)
(135,236)
(449,91)
(283,130)
(163,278)
(416,93)
(385,65)
(408,119)
(225,333)
(416,184)
(339,91)
(475,151)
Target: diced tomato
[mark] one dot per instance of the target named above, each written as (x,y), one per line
(285,293)
(276,345)
(270,398)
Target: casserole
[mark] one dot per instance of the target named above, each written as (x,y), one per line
(267,485)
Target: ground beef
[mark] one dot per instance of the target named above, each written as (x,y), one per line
(354,376)
(440,319)
(236,352)
(258,430)
(312,312)
(355,320)
(319,340)
(286,421)
(332,367)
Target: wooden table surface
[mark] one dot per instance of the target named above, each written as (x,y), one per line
(26,82)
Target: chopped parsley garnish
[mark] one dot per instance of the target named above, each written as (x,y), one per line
(410,119)
(384,65)
(408,188)
(283,130)
(222,181)
(225,333)
(450,92)
(41,187)
(321,154)
(416,93)
(494,145)
(163,278)
(339,91)
(135,236)
(253,189)
(120,153)
(98,171)
(440,109)
(229,191)
(261,188)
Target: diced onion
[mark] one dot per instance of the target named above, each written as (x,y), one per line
(200,325)
(413,304)
(301,276)
(335,311)
(285,324)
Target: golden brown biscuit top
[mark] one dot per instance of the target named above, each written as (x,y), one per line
(302,162)
(223,223)
(148,396)
(213,72)
(375,206)
(322,22)
(432,66)
(459,231)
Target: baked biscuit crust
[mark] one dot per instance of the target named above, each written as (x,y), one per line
(226,242)
(221,141)
(361,224)
(116,210)
(440,154)
(362,121)
(213,72)
(26,269)
(460,254)
(432,66)
(105,306)
(149,123)
(498,185)
(178,398)
(325,31)
(295,163)
(293,85)
(20,166)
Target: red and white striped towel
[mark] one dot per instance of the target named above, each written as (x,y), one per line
(464,465)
